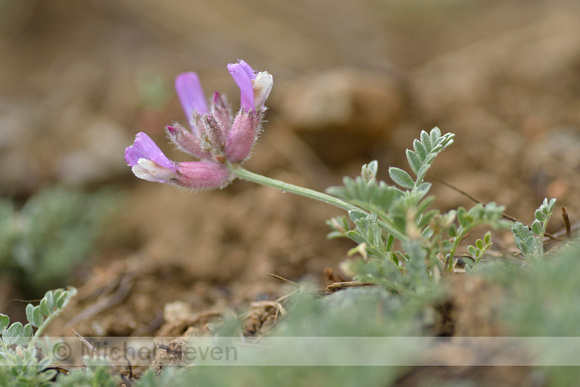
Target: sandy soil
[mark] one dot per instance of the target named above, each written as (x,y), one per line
(79,79)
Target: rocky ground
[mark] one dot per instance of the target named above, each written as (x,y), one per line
(353,83)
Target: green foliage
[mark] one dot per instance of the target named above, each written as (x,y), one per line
(355,312)
(425,149)
(21,360)
(25,369)
(476,252)
(378,313)
(544,303)
(530,240)
(97,372)
(170,377)
(41,243)
(431,238)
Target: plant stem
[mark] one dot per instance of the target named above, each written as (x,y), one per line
(461,234)
(243,173)
(42,327)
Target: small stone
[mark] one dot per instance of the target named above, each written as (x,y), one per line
(177,311)
(343,112)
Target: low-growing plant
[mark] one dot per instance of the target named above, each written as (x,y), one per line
(405,245)
(55,230)
(22,358)
(530,240)
(429,239)
(96,372)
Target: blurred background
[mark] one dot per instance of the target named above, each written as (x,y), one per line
(353,81)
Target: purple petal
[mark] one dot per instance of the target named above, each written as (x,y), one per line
(247,69)
(243,76)
(145,148)
(190,94)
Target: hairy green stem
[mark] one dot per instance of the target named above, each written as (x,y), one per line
(460,235)
(243,173)
(42,327)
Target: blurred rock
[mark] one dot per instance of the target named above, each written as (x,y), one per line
(14,137)
(98,157)
(176,311)
(343,112)
(552,162)
(505,98)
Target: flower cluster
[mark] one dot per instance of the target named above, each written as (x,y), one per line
(214,137)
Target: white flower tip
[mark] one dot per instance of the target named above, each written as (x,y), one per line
(262,86)
(151,171)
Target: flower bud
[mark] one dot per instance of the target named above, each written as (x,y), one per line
(213,132)
(187,142)
(202,175)
(243,135)
(222,113)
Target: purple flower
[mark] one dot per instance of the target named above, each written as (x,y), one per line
(214,136)
(148,162)
(244,75)
(255,88)
(190,93)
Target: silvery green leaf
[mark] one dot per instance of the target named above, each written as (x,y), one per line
(523,238)
(390,241)
(4,321)
(27,333)
(356,215)
(427,233)
(539,215)
(423,188)
(355,236)
(29,309)
(369,171)
(462,217)
(44,362)
(435,134)
(414,161)
(37,317)
(452,231)
(61,299)
(401,178)
(420,149)
(13,333)
(426,140)
(537,227)
(472,251)
(49,297)
(44,307)
(479,243)
(487,238)
(422,172)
